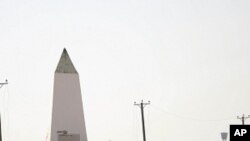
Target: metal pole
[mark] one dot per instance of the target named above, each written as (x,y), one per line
(142,105)
(1,85)
(143,125)
(243,118)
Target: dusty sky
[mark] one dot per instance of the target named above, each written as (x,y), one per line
(190,58)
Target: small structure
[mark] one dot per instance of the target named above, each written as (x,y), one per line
(64,136)
(224,136)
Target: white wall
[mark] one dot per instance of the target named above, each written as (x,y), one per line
(67,111)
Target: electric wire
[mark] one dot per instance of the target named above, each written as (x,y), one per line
(7,106)
(148,123)
(136,136)
(190,118)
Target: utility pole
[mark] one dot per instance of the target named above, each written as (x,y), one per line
(1,85)
(243,118)
(141,106)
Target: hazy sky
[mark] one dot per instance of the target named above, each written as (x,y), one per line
(190,58)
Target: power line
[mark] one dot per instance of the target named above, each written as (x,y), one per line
(188,117)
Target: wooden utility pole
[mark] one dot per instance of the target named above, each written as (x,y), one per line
(1,85)
(243,118)
(142,105)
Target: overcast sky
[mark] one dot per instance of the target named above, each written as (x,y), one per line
(190,58)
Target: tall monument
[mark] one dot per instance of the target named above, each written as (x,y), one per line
(68,122)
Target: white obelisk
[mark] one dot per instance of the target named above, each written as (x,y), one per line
(68,122)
